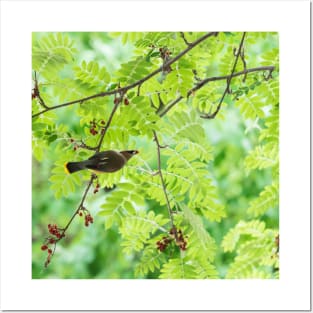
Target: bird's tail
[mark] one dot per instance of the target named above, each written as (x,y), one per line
(72,167)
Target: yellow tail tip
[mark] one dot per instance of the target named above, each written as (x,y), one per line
(66,169)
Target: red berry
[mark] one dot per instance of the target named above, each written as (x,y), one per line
(44,247)
(49,251)
(126,101)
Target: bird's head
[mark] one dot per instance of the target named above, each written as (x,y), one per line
(129,153)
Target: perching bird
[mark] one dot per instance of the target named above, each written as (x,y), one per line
(102,162)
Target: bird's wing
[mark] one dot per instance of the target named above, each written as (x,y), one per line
(106,161)
(104,155)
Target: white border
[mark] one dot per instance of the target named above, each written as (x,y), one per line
(18,20)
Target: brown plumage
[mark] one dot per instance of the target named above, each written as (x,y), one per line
(102,162)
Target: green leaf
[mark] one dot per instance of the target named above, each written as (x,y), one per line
(194,180)
(92,75)
(150,261)
(63,184)
(51,52)
(203,241)
(134,70)
(256,254)
(253,228)
(180,80)
(137,229)
(267,199)
(120,203)
(262,157)
(251,105)
(138,118)
(177,269)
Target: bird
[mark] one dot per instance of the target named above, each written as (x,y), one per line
(102,162)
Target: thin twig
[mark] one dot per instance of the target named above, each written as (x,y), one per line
(123,90)
(211,79)
(170,212)
(93,176)
(85,146)
(81,205)
(105,129)
(243,60)
(212,115)
(36,92)
(184,38)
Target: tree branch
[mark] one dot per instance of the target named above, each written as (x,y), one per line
(211,79)
(81,206)
(36,93)
(184,38)
(170,212)
(105,129)
(212,115)
(123,90)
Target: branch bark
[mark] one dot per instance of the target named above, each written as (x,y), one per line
(170,212)
(81,205)
(123,90)
(239,53)
(211,79)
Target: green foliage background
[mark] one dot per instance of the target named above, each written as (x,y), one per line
(222,175)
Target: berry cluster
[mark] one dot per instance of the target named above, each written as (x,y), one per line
(94,126)
(174,235)
(165,53)
(180,240)
(163,243)
(96,188)
(118,100)
(76,145)
(45,247)
(165,56)
(35,93)
(55,231)
(88,217)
